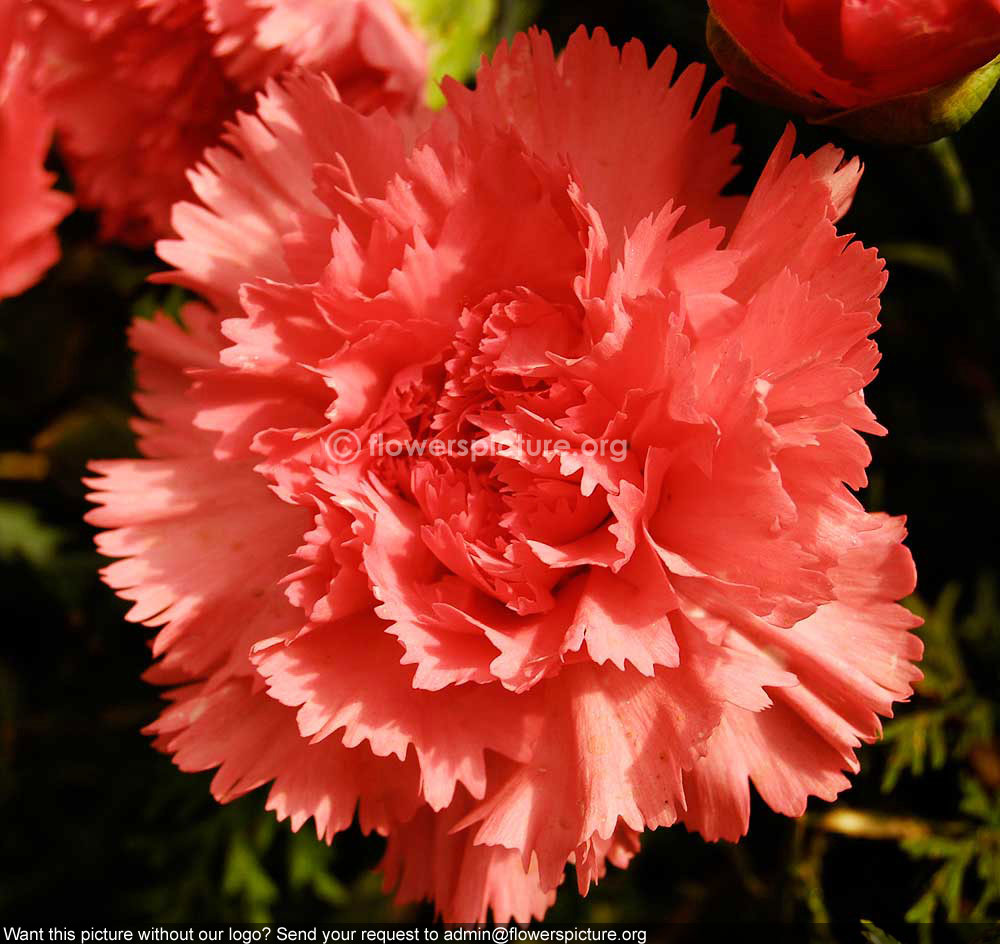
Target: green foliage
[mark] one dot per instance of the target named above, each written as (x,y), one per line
(949,732)
(245,877)
(155,299)
(875,935)
(974,847)
(309,864)
(456,33)
(459,32)
(23,534)
(953,717)
(930,258)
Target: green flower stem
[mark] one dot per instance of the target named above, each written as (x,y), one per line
(946,156)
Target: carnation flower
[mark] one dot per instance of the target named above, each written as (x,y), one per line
(29,208)
(526,656)
(139,88)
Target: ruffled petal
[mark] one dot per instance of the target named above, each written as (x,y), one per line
(252,740)
(466,880)
(614,746)
(349,677)
(581,110)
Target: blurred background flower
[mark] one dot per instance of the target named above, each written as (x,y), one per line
(137,89)
(29,208)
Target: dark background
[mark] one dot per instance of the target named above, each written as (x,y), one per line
(96,826)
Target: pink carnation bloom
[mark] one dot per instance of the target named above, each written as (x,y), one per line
(29,208)
(524,659)
(140,88)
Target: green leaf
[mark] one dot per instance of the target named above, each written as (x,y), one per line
(942,665)
(922,911)
(934,259)
(876,935)
(457,33)
(245,877)
(155,300)
(977,803)
(23,534)
(915,740)
(988,871)
(945,889)
(309,868)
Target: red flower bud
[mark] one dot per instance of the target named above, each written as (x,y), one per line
(895,71)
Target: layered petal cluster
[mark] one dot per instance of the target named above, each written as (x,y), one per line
(139,88)
(502,489)
(29,208)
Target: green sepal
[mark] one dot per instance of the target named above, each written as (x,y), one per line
(921,117)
